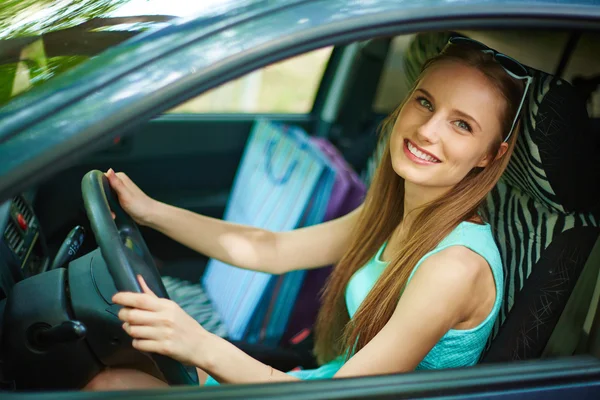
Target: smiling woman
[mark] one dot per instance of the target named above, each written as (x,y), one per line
(420,278)
(414,205)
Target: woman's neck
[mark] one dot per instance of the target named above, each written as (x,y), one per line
(416,196)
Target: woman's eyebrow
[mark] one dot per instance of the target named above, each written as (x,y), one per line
(467,116)
(455,111)
(426,93)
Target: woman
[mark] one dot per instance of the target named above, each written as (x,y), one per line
(418,278)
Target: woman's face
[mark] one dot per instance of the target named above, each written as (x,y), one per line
(447,126)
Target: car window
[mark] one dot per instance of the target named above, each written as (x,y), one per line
(393,86)
(289,86)
(585,71)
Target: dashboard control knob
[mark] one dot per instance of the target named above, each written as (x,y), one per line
(22,222)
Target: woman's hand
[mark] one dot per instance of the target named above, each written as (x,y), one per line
(134,201)
(159,325)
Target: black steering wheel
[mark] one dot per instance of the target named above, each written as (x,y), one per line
(126,255)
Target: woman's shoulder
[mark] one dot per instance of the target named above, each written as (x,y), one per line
(470,249)
(475,236)
(472,245)
(457,263)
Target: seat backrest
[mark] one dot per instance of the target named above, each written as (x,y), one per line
(544,210)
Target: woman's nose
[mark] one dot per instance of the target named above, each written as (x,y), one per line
(430,129)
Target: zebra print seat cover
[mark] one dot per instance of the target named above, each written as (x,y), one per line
(543,212)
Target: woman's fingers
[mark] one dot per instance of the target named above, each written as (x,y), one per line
(133,316)
(147,332)
(131,198)
(124,178)
(142,301)
(156,346)
(115,181)
(145,287)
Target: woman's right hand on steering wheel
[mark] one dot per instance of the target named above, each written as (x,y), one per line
(133,200)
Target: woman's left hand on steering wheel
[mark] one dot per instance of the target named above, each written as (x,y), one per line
(159,325)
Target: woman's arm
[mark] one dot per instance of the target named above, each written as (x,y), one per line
(450,288)
(440,295)
(228,364)
(243,246)
(254,248)
(160,326)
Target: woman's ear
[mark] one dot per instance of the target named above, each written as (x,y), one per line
(501,152)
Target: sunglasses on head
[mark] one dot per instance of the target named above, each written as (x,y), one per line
(509,64)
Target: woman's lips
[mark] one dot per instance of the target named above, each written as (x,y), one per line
(422,157)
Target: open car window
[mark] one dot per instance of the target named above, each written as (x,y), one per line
(272,89)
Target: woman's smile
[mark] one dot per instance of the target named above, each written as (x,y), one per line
(418,155)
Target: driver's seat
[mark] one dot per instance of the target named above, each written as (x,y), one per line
(545,215)
(544,211)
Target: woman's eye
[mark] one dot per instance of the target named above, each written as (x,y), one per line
(463,125)
(425,103)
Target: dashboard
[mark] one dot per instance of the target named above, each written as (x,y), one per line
(23,251)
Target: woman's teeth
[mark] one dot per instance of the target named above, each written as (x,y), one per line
(417,153)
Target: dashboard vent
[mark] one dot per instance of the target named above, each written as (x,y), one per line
(23,209)
(13,236)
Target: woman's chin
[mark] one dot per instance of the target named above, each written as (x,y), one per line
(409,173)
(406,170)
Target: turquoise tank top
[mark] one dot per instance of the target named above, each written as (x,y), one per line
(457,348)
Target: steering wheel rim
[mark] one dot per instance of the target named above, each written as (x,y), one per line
(118,241)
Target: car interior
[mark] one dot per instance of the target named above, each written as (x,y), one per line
(545,211)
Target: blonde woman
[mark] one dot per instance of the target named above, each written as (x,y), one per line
(418,278)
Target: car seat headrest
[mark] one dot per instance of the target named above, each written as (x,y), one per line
(555,159)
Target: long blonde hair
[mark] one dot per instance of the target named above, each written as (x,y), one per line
(383,212)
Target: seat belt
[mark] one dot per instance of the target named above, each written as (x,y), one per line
(566,334)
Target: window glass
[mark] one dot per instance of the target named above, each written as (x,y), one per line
(289,86)
(393,85)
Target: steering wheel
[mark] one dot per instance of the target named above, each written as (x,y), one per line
(126,255)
